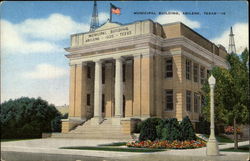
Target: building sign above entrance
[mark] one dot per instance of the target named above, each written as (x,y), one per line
(110,32)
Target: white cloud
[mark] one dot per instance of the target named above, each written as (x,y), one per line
(55,27)
(103,17)
(45,71)
(13,42)
(241,37)
(169,18)
(38,35)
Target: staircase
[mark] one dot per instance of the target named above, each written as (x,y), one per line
(104,130)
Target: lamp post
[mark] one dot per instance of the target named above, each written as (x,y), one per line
(212,146)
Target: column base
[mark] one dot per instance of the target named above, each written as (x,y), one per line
(116,121)
(212,147)
(96,120)
(144,117)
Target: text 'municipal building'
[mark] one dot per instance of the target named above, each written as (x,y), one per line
(120,74)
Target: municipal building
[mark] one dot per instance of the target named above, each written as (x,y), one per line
(124,73)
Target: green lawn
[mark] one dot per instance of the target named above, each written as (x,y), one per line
(244,148)
(7,140)
(141,150)
(115,144)
(222,139)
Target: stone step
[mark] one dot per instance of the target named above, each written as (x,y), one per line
(87,136)
(87,131)
(101,127)
(95,133)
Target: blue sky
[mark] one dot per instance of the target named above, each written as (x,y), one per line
(33,35)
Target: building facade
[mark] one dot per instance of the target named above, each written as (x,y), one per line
(136,71)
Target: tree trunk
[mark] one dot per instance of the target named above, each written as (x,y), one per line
(235,135)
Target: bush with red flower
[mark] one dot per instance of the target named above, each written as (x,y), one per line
(167,133)
(230,130)
(164,144)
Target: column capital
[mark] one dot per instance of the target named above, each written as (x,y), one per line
(97,60)
(119,58)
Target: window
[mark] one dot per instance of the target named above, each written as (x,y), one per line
(169,68)
(103,103)
(188,100)
(88,71)
(169,100)
(124,72)
(196,68)
(188,69)
(202,75)
(88,99)
(103,74)
(196,102)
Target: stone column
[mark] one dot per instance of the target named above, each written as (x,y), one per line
(80,91)
(72,92)
(118,91)
(212,146)
(97,93)
(137,86)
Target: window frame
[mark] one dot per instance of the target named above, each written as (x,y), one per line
(189,97)
(166,100)
(196,102)
(168,71)
(188,69)
(196,72)
(202,75)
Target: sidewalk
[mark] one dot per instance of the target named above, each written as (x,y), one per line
(50,146)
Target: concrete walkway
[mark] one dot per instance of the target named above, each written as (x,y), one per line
(50,146)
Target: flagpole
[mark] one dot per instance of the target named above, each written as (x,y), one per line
(110,13)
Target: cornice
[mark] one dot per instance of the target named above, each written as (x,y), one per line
(136,44)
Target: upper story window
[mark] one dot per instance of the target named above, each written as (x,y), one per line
(169,100)
(88,99)
(169,68)
(124,72)
(103,74)
(88,72)
(202,75)
(188,69)
(188,100)
(196,102)
(196,74)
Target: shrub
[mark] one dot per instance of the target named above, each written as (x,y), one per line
(203,126)
(138,127)
(148,129)
(187,130)
(171,130)
(27,118)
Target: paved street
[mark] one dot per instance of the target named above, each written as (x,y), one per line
(48,150)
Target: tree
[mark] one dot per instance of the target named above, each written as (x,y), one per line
(171,130)
(27,118)
(187,130)
(148,129)
(231,92)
